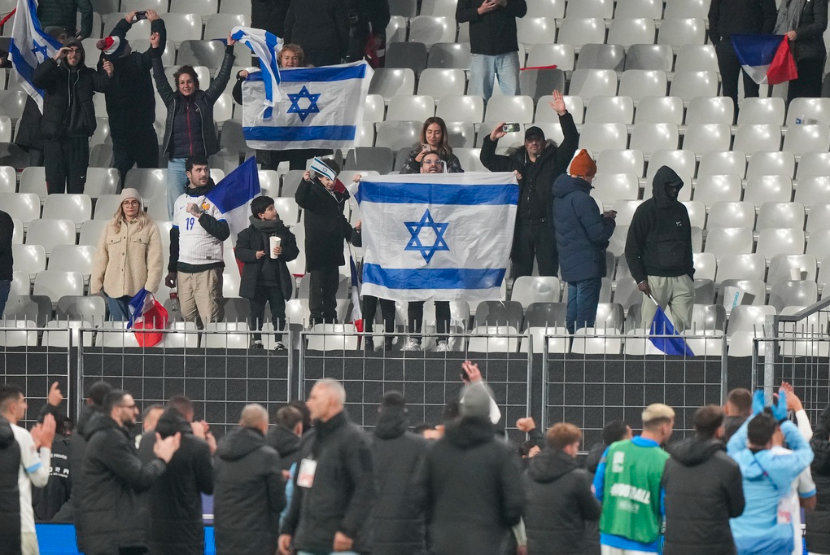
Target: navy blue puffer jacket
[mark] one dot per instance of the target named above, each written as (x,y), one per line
(582,233)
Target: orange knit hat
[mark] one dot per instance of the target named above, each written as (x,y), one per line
(583,165)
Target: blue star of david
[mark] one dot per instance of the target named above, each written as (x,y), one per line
(414,243)
(312,104)
(40,49)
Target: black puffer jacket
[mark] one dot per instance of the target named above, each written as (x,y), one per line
(325,225)
(9,494)
(809,41)
(286,443)
(473,485)
(87,421)
(174,503)
(559,503)
(113,515)
(203,99)
(67,105)
(659,241)
(249,241)
(249,494)
(703,491)
(492,33)
(398,520)
(818,520)
(343,493)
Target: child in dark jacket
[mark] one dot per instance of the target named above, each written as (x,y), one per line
(265,275)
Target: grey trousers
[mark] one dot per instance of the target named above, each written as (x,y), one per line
(676,293)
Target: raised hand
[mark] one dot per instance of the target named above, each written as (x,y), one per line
(497,132)
(43,434)
(155,40)
(108,69)
(61,53)
(55,396)
(231,42)
(152,15)
(167,447)
(558,103)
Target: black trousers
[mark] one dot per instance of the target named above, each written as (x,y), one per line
(808,84)
(322,295)
(415,317)
(534,239)
(136,149)
(273,296)
(66,161)
(387,311)
(730,69)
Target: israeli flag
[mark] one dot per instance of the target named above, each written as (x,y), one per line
(266,46)
(30,46)
(320,107)
(437,236)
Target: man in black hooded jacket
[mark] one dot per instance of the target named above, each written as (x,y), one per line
(659,252)
(285,436)
(398,520)
(9,493)
(174,502)
(703,490)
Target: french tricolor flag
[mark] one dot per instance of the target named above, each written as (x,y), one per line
(766,58)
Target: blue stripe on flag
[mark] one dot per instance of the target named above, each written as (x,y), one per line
(756,50)
(237,188)
(334,73)
(438,278)
(316,132)
(432,193)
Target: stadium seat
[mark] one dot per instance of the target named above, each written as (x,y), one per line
(12,104)
(5,129)
(780,241)
(21,283)
(773,215)
(771,163)
(494,339)
(621,161)
(100,157)
(430,30)
(750,139)
(653,57)
(101,181)
(800,139)
(77,208)
(29,258)
(616,244)
(396,135)
(754,290)
(611,187)
(723,241)
(470,159)
(677,9)
(333,337)
(708,318)
(208,53)
(681,32)
(579,31)
(696,57)
(21,206)
(201,7)
(768,188)
(589,83)
(625,211)
(610,109)
(91,232)
(392,82)
(396,29)
(638,83)
(535,30)
(17,231)
(722,163)
(627,294)
(439,83)
(793,293)
(499,313)
(710,189)
(731,214)
(545,314)
(792,267)
(8,179)
(716,109)
(537,83)
(560,55)
(762,110)
(75,307)
(601,136)
(74,258)
(652,9)
(681,161)
(217,25)
(704,291)
(809,111)
(697,213)
(689,84)
(558,340)
(449,56)
(57,336)
(705,265)
(650,137)
(20,337)
(535,289)
(813,190)
(374,109)
(148,182)
(412,55)
(659,109)
(462,134)
(601,56)
(592,341)
(591,8)
(404,8)
(139,29)
(182,26)
(58,283)
(378,159)
(220,335)
(741,267)
(819,244)
(29,307)
(509,108)
(461,108)
(410,108)
(813,164)
(446,8)
(710,137)
(628,31)
(819,217)
(33,180)
(51,233)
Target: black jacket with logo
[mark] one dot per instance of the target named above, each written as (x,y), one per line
(491,33)
(9,492)
(49,500)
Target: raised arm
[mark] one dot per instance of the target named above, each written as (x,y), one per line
(220,83)
(163,87)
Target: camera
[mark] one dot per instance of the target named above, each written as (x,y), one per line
(511,127)
(140,15)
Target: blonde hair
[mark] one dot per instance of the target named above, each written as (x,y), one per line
(142,218)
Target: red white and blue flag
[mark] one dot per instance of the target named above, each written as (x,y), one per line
(766,58)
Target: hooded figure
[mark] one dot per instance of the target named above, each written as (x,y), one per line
(9,493)
(818,520)
(659,252)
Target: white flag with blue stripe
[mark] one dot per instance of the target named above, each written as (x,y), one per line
(30,46)
(437,236)
(321,107)
(266,46)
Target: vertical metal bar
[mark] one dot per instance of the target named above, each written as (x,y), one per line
(529,394)
(545,370)
(724,371)
(770,332)
(301,368)
(79,401)
(290,352)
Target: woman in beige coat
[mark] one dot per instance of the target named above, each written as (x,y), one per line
(128,257)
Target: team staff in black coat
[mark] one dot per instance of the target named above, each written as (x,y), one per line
(473,482)
(703,490)
(113,515)
(804,23)
(559,498)
(285,436)
(250,492)
(818,520)
(321,28)
(334,489)
(9,492)
(538,164)
(398,520)
(174,502)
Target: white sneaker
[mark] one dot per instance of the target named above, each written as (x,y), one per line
(280,346)
(442,347)
(412,345)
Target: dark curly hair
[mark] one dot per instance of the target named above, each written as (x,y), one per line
(186,70)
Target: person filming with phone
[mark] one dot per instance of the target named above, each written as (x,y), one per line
(434,139)
(537,164)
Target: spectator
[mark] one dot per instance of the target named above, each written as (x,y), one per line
(303,408)
(115,477)
(35,459)
(473,481)
(196,251)
(334,489)
(614,431)
(375,15)
(537,165)
(703,490)
(9,492)
(265,274)
(174,501)
(150,417)
(321,28)
(493,43)
(737,409)
(87,421)
(6,259)
(269,15)
(250,492)
(728,17)
(131,102)
(63,15)
(189,128)
(804,23)
(767,479)
(434,138)
(818,520)
(627,483)
(285,436)
(535,438)
(49,500)
(559,498)
(68,114)
(659,252)
(582,235)
(325,230)
(128,258)
(398,457)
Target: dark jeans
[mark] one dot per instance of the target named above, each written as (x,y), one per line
(534,239)
(583,298)
(387,311)
(119,308)
(5,287)
(415,315)
(808,84)
(730,69)
(322,295)
(139,149)
(66,161)
(273,296)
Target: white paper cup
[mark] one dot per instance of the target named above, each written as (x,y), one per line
(795,274)
(275,242)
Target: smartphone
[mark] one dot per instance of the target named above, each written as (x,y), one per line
(425,148)
(511,127)
(140,15)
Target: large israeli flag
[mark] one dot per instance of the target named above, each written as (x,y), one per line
(437,236)
(320,107)
(30,46)
(266,46)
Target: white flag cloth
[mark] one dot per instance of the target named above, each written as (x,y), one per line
(30,46)
(437,236)
(266,46)
(320,107)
